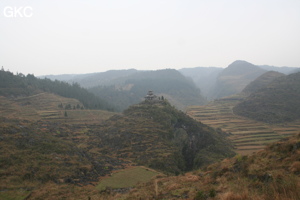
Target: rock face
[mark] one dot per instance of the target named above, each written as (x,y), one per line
(161,137)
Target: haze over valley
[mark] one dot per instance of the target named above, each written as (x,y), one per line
(131,100)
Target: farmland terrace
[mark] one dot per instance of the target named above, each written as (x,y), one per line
(247,135)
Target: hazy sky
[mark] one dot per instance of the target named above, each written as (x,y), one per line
(83,36)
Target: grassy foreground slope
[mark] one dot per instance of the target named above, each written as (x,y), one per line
(271,174)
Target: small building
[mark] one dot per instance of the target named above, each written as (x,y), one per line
(150,96)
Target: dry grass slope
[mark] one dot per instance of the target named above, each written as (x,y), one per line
(271,174)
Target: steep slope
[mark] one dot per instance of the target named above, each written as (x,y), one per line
(157,135)
(261,82)
(204,77)
(181,92)
(36,154)
(271,174)
(235,78)
(277,102)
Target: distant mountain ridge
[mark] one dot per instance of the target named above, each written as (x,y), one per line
(284,70)
(110,77)
(169,83)
(93,79)
(235,78)
(217,82)
(213,82)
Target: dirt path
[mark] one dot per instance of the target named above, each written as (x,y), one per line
(156,187)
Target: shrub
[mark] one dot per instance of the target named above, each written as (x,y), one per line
(200,195)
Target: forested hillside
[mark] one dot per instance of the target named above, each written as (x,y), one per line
(20,85)
(275,103)
(261,82)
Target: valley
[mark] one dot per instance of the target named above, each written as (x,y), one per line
(149,100)
(58,142)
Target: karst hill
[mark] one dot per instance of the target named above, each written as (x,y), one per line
(277,102)
(155,134)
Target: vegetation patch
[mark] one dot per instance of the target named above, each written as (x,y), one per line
(127,178)
(19,194)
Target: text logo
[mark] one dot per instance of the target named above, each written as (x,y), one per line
(13,12)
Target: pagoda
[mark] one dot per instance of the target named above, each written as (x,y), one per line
(150,96)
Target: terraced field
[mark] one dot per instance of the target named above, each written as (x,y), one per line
(44,106)
(247,135)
